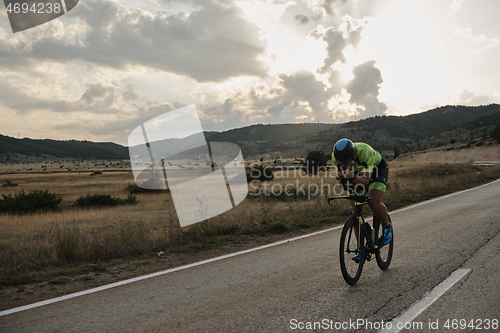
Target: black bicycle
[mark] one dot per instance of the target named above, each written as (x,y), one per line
(359,242)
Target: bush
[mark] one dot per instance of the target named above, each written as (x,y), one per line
(9,183)
(260,173)
(134,189)
(103,200)
(316,161)
(397,151)
(277,228)
(26,203)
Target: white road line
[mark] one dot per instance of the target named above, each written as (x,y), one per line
(443,197)
(139,278)
(144,277)
(399,323)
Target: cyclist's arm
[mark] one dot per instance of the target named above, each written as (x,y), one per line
(339,174)
(362,178)
(371,159)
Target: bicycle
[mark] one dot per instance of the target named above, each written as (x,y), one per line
(359,237)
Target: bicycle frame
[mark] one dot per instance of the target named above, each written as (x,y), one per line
(356,226)
(364,230)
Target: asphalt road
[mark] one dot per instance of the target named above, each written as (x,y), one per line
(297,284)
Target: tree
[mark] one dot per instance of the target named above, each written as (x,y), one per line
(397,151)
(261,173)
(496,133)
(316,161)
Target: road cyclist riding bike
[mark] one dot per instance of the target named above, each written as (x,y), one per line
(363,171)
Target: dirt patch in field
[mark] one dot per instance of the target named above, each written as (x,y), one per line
(490,154)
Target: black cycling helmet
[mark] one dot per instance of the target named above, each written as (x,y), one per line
(344,151)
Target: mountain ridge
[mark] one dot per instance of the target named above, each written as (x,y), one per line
(287,140)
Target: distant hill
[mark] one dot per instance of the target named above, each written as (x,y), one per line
(477,129)
(425,124)
(382,132)
(68,149)
(408,133)
(261,132)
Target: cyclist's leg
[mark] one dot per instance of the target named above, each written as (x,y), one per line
(376,205)
(376,190)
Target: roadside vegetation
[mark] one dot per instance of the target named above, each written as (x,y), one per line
(74,239)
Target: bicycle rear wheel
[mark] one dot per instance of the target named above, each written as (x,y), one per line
(351,269)
(384,254)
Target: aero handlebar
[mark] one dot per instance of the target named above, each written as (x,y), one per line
(357,198)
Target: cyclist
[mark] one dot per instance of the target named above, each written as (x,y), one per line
(361,165)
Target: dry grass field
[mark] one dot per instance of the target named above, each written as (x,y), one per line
(60,246)
(26,164)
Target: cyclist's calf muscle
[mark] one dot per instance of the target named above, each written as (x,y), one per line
(378,208)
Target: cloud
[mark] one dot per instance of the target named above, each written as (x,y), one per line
(364,89)
(51,89)
(352,29)
(295,97)
(305,96)
(129,94)
(112,70)
(349,33)
(213,42)
(336,43)
(302,19)
(454,7)
(331,7)
(98,94)
(320,8)
(118,125)
(466,34)
(470,99)
(304,92)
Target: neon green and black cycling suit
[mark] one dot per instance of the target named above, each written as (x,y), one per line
(368,160)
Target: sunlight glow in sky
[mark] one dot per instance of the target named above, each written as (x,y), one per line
(107,66)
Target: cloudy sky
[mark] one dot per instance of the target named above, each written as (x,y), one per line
(101,70)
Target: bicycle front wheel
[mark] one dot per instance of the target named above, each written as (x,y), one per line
(384,254)
(351,268)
